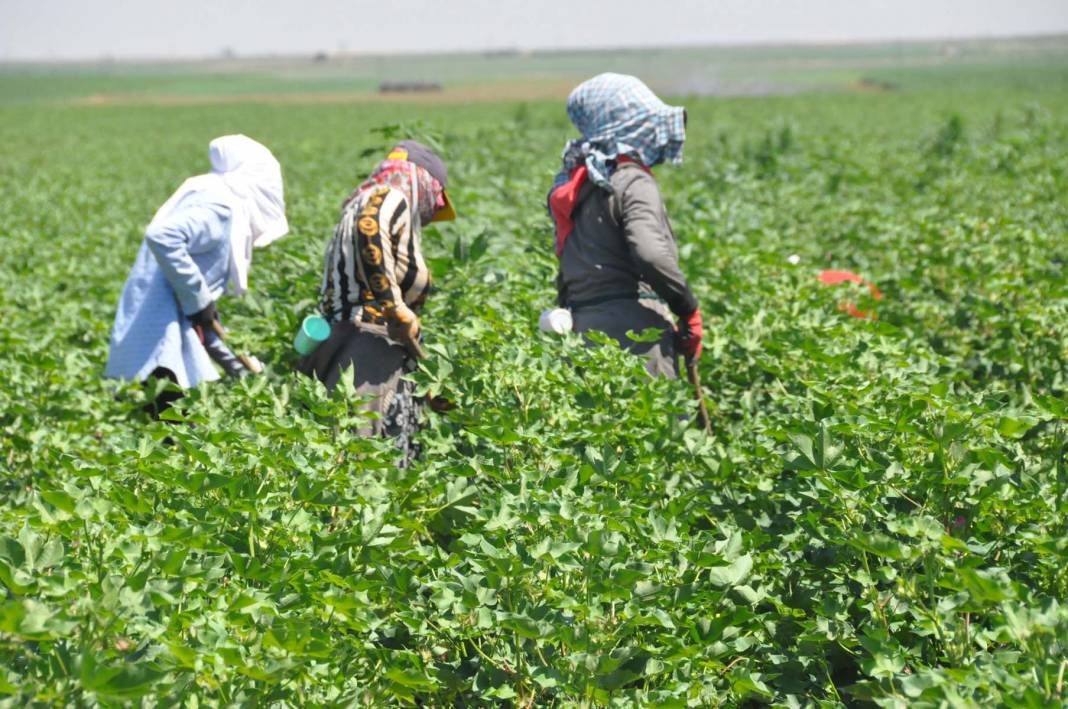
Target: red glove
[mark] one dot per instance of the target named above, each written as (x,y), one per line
(688,335)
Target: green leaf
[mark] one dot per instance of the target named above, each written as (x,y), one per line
(747,684)
(522,625)
(60,500)
(1015,427)
(732,574)
(985,586)
(16,580)
(881,545)
(411,679)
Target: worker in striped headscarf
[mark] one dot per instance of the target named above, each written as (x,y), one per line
(375,282)
(619,266)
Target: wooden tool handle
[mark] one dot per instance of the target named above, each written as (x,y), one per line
(250,364)
(698,393)
(414,348)
(245,360)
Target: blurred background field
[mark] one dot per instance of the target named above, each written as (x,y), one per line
(531,75)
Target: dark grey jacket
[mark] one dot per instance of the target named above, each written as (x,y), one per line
(622,244)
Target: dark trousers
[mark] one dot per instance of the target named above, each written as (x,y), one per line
(165,398)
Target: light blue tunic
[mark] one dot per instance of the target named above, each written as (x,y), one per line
(182,267)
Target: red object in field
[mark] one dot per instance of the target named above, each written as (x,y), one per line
(833,278)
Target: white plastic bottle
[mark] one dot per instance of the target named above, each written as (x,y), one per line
(556,321)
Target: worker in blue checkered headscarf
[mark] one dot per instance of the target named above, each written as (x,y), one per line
(620,115)
(619,266)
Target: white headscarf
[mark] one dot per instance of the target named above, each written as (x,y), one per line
(253,178)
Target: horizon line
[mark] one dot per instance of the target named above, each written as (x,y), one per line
(505,51)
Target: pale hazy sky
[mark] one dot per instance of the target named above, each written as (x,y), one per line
(90,29)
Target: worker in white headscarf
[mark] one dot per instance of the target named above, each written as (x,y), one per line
(197,247)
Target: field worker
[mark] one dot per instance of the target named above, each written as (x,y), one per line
(619,265)
(375,282)
(198,246)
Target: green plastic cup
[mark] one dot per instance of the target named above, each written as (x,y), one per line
(312,333)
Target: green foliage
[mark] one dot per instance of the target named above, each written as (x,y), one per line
(879,517)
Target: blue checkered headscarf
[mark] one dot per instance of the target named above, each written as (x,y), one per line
(619,115)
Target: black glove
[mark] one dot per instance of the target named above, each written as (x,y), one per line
(203,320)
(205,316)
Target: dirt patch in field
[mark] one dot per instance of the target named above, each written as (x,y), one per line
(485,93)
(873,86)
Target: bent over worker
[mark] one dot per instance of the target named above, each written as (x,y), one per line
(619,267)
(197,247)
(375,282)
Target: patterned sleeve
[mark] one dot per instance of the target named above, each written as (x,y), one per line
(373,261)
(379,226)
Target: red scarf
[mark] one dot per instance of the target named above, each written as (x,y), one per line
(564,199)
